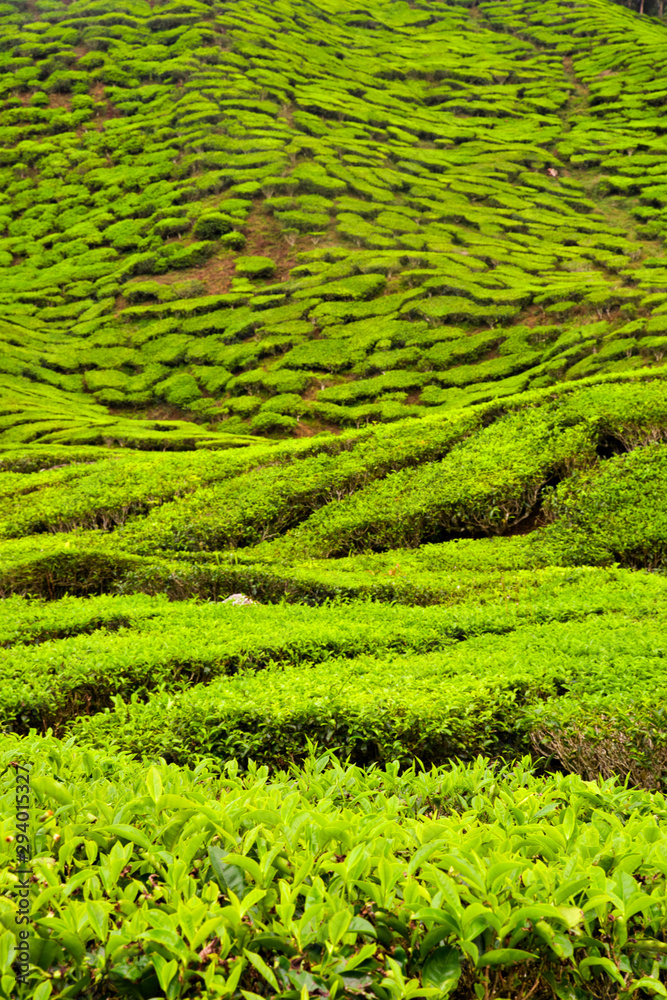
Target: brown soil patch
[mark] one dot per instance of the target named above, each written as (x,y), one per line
(163,411)
(287,112)
(314,387)
(97,93)
(104,116)
(216,274)
(264,238)
(60,101)
(310,430)
(304,430)
(532,316)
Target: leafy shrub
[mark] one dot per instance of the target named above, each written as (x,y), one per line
(254,267)
(110,492)
(212,225)
(373,819)
(330,355)
(233,240)
(193,255)
(174,226)
(271,499)
(313,178)
(475,489)
(371,387)
(203,640)
(141,291)
(271,421)
(126,234)
(214,378)
(244,405)
(303,221)
(285,381)
(111,397)
(612,513)
(106,379)
(358,287)
(180,389)
(169,349)
(286,403)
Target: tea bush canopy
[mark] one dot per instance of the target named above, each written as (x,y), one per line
(333,500)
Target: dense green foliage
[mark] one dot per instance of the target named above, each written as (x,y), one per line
(337,880)
(333,499)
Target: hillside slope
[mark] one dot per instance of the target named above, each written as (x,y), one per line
(333,500)
(287,217)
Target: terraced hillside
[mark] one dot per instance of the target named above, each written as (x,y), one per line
(333,500)
(286,217)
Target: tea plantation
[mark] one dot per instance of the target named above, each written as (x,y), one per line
(333,500)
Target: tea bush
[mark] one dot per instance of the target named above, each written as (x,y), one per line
(612,514)
(255,267)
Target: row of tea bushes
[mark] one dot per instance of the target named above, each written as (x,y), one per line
(616,513)
(191,501)
(186,352)
(141,505)
(494,479)
(47,415)
(499,568)
(105,492)
(188,642)
(71,656)
(613,513)
(547,685)
(491,572)
(624,95)
(486,484)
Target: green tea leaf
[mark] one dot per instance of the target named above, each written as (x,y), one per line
(154,783)
(126,832)
(606,964)
(165,970)
(560,943)
(338,925)
(442,969)
(228,876)
(262,968)
(48,787)
(7,951)
(650,985)
(98,918)
(361,926)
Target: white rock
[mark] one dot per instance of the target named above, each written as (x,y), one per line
(240,599)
